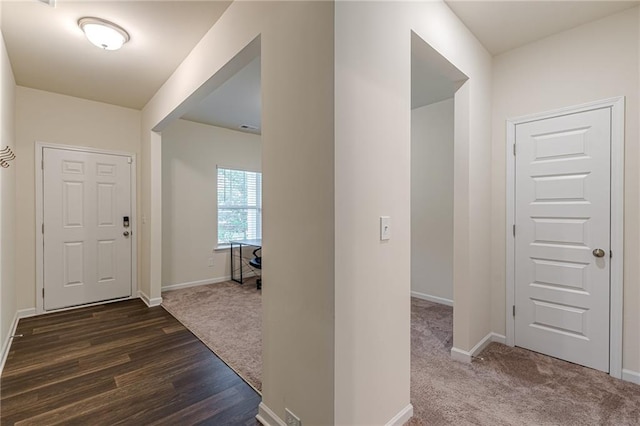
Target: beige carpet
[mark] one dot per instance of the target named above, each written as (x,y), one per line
(227,317)
(507,386)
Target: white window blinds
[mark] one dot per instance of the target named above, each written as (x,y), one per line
(239,205)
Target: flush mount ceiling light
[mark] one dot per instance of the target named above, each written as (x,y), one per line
(104,34)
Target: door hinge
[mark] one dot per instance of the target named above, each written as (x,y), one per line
(43,293)
(514,310)
(514,230)
(42,164)
(43,228)
(514,149)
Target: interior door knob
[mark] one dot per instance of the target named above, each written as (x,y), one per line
(126,234)
(598,253)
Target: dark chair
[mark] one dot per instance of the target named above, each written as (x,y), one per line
(256,262)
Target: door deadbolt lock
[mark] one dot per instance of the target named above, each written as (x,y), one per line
(598,253)
(125,233)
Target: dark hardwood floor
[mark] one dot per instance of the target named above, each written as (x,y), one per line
(119,363)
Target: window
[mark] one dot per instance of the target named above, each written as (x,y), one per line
(239,205)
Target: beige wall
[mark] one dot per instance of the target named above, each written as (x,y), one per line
(8,283)
(298,215)
(372,160)
(592,62)
(191,153)
(297,164)
(52,118)
(432,200)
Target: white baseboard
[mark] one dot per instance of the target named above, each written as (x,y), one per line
(6,342)
(267,417)
(195,283)
(26,313)
(434,299)
(499,338)
(631,376)
(402,417)
(460,355)
(467,356)
(157,301)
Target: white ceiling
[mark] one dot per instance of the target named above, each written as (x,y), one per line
(504,25)
(236,102)
(499,25)
(48,51)
(433,78)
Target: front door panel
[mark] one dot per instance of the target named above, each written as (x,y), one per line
(87,257)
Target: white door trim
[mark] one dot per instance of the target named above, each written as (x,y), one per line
(39,146)
(617,106)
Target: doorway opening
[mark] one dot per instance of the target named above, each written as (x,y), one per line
(211,201)
(434,83)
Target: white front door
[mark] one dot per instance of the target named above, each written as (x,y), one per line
(562,238)
(87,248)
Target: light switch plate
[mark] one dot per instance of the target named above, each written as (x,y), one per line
(385,228)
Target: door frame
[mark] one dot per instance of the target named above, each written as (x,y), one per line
(39,158)
(617,106)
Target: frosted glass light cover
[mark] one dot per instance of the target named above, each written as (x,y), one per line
(103,34)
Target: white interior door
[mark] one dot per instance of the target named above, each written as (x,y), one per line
(562,216)
(87,248)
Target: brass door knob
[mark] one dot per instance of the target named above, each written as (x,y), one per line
(598,253)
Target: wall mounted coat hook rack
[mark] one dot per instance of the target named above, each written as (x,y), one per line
(6,155)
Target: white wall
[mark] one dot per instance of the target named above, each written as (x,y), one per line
(53,118)
(336,155)
(190,154)
(372,160)
(432,201)
(8,283)
(594,61)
